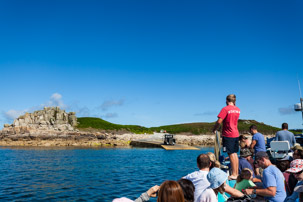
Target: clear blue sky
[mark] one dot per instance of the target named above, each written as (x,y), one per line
(152,63)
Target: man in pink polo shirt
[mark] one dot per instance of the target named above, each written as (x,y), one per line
(229,115)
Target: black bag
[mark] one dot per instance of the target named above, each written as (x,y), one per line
(245,198)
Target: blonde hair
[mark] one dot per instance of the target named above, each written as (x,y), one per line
(213,160)
(242,145)
(245,173)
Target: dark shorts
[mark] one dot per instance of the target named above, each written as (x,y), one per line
(230,145)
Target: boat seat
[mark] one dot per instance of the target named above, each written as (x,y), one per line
(279,149)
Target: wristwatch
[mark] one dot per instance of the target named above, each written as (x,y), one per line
(254,191)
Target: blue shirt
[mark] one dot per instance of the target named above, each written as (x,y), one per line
(273,177)
(285,135)
(243,163)
(260,145)
(295,195)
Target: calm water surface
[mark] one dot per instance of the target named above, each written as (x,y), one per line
(86,174)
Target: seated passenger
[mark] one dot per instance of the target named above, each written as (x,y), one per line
(245,142)
(283,165)
(272,179)
(297,154)
(217,179)
(296,167)
(199,178)
(144,197)
(244,180)
(285,135)
(245,160)
(299,190)
(170,191)
(188,189)
(213,160)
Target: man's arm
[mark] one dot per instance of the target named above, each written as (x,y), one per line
(268,192)
(252,145)
(233,192)
(218,123)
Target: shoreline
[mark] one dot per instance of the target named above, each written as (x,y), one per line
(97,139)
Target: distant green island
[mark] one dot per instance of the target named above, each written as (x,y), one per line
(97,124)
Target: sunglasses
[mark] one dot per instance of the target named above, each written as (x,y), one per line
(298,173)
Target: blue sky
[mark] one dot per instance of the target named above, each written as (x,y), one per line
(152,63)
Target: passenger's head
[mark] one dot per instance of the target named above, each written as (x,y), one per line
(188,189)
(217,178)
(170,191)
(213,160)
(284,126)
(203,161)
(231,98)
(298,154)
(283,165)
(242,137)
(245,152)
(253,129)
(296,167)
(246,173)
(262,159)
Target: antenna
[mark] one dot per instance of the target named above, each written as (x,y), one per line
(299,89)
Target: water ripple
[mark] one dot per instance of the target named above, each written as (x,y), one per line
(83,174)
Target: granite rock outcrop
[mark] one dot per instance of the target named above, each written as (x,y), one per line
(53,127)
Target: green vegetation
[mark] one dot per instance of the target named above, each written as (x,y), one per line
(243,126)
(99,124)
(193,128)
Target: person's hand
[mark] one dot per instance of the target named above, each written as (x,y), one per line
(248,191)
(153,190)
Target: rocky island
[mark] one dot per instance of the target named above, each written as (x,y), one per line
(53,126)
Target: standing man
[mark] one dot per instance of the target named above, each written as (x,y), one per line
(229,115)
(272,178)
(284,135)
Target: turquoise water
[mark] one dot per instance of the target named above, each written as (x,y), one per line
(86,174)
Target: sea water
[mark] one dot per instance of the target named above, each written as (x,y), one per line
(88,174)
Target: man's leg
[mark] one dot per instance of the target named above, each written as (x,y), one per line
(232,147)
(234,162)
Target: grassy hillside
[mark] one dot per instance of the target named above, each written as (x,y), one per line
(194,128)
(100,124)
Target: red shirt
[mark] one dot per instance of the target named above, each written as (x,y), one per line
(230,115)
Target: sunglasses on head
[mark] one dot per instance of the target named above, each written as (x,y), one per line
(298,173)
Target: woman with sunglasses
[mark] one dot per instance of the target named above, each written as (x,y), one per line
(296,167)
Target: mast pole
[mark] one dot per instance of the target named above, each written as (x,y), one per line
(301,100)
